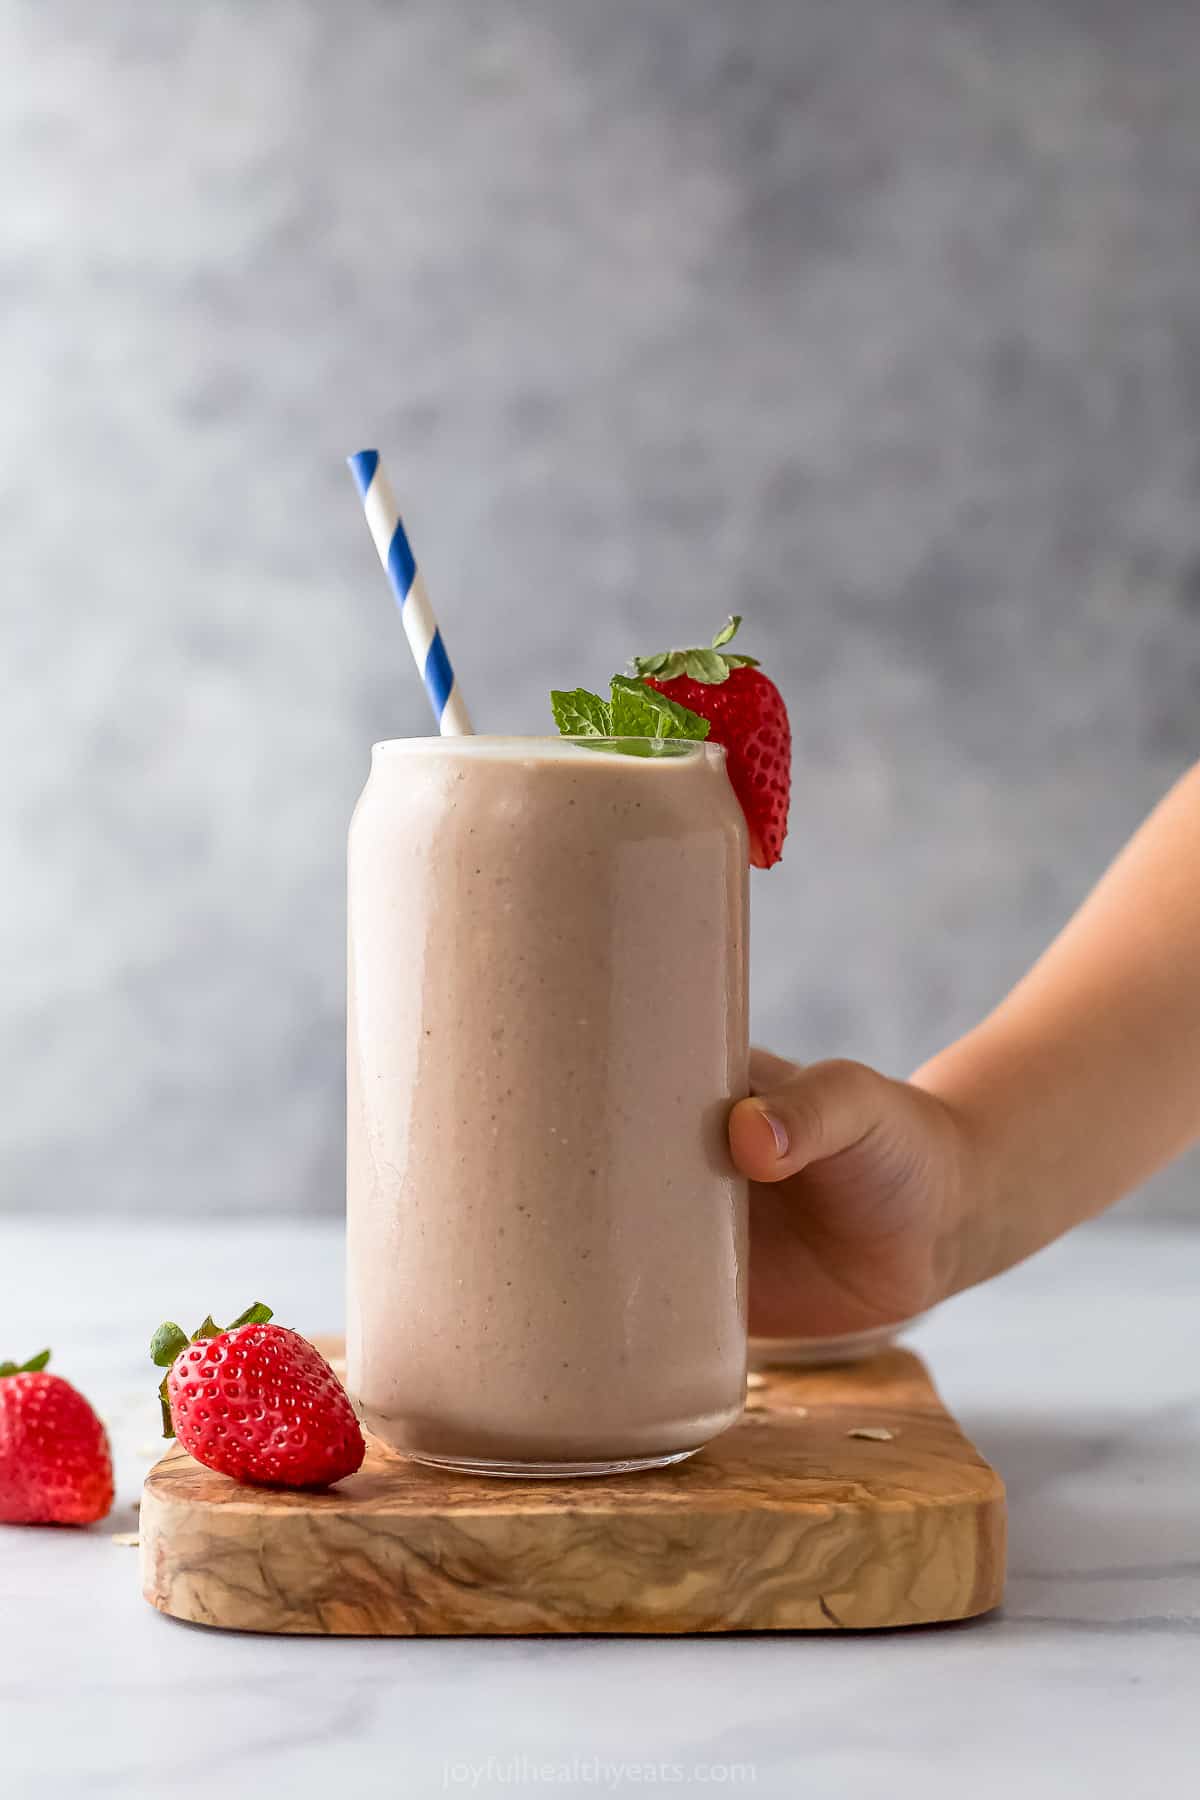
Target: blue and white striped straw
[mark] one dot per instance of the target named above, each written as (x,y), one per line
(421,628)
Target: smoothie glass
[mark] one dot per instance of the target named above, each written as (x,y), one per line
(547,1026)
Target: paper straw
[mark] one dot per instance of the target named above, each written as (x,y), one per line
(420,625)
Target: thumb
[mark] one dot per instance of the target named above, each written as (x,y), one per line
(804,1116)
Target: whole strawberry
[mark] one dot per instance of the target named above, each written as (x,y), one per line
(746,714)
(258,1403)
(55,1465)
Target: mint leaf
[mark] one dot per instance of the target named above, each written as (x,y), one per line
(640,711)
(580,714)
(636,710)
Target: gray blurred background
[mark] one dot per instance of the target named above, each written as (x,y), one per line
(876,319)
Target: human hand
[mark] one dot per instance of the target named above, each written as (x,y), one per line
(856,1196)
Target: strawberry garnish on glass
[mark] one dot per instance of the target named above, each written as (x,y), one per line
(746,715)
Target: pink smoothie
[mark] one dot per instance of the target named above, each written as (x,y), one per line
(547,1026)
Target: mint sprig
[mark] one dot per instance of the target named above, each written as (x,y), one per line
(634,710)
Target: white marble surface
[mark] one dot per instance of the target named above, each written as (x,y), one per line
(1078,1375)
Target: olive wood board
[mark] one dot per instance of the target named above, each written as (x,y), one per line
(788,1522)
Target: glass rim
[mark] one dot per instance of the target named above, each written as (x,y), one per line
(488,743)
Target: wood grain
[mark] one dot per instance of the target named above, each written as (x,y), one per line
(786,1523)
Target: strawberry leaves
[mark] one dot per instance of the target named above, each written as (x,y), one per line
(709,666)
(705,666)
(166,1344)
(33,1367)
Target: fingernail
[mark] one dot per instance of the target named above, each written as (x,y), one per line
(778,1131)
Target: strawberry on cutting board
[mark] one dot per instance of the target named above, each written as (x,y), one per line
(257,1402)
(746,714)
(55,1464)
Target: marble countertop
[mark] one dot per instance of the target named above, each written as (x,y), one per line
(1078,1376)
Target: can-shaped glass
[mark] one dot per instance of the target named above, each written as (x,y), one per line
(547,1027)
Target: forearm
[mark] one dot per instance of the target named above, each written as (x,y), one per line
(1087,1078)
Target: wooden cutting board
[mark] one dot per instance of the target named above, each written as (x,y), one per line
(789,1522)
